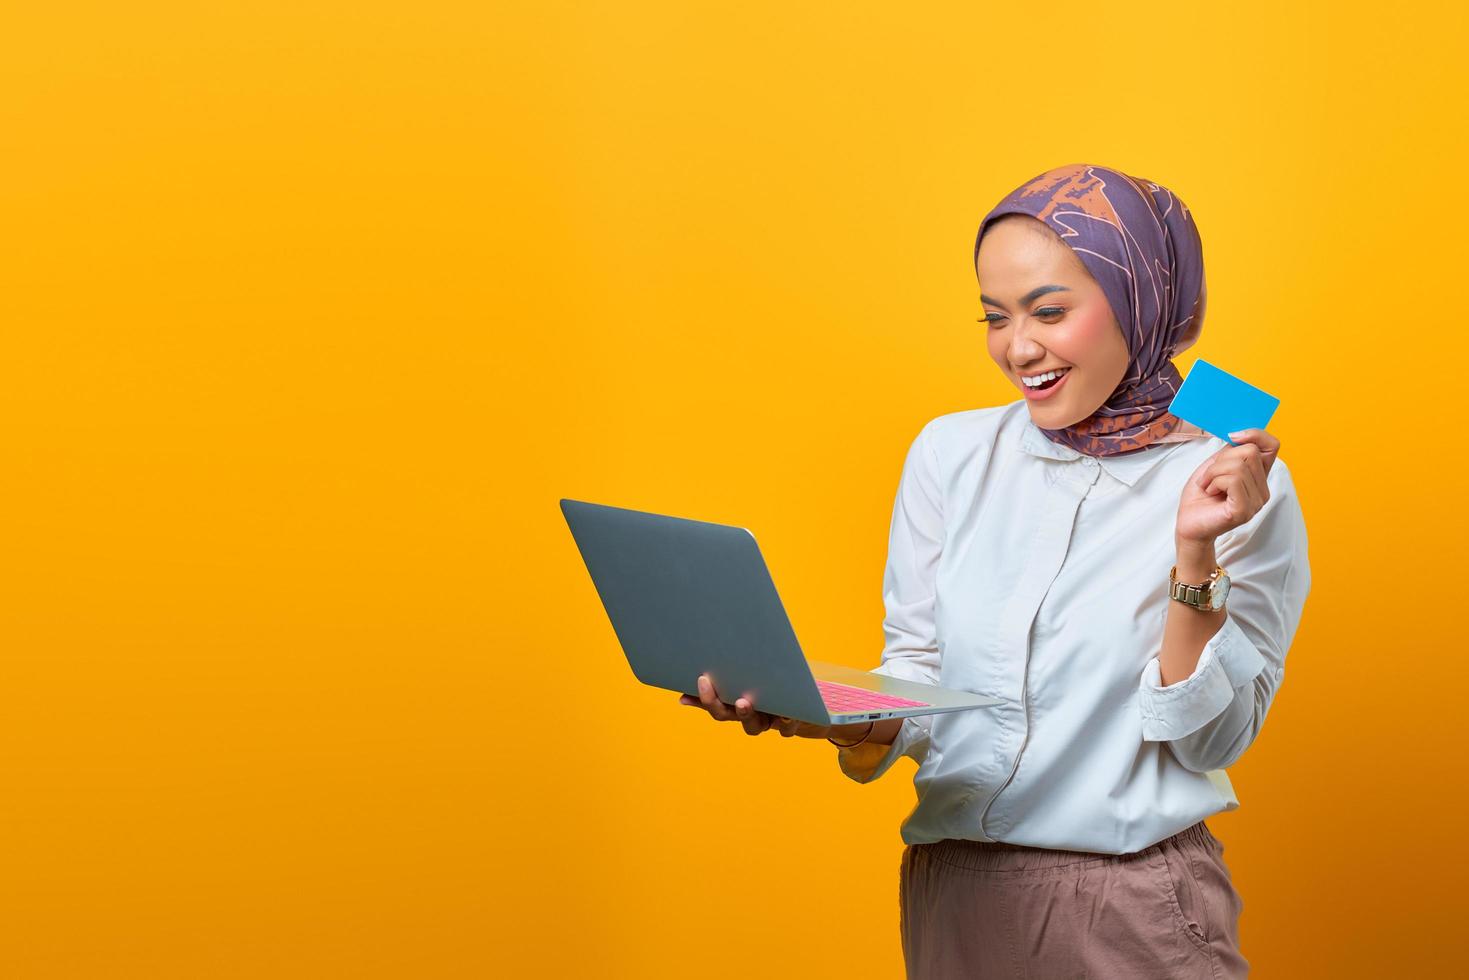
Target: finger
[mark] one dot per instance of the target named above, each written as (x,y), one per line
(710,699)
(1233,506)
(1221,462)
(1268,445)
(1230,462)
(1254,465)
(1259,486)
(1250,490)
(1263,440)
(755,721)
(1220,484)
(1250,468)
(1241,500)
(1241,435)
(1244,502)
(1214,483)
(1231,457)
(1204,473)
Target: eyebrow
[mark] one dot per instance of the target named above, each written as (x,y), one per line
(1029,297)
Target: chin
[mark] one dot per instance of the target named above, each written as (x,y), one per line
(1048,417)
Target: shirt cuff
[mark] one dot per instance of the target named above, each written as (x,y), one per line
(867,761)
(1229,660)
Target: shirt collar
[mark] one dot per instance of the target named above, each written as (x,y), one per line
(1128,469)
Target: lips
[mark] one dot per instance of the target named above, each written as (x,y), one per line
(1040,394)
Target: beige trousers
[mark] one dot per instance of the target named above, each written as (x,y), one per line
(973,909)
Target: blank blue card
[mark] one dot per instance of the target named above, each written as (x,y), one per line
(1219,403)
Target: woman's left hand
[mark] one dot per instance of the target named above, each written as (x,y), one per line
(1228,488)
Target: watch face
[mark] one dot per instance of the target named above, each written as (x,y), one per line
(1219,593)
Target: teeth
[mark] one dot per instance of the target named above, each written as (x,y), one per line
(1041,379)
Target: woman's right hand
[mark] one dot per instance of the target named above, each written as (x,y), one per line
(743,711)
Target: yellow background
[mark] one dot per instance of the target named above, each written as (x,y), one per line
(314,310)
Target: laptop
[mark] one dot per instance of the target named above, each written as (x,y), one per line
(689,597)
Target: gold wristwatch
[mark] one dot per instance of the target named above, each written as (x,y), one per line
(1208,595)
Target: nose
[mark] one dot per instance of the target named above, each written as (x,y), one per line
(1024,349)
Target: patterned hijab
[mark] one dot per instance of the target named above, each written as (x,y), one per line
(1138,241)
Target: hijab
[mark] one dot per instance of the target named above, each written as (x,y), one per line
(1138,241)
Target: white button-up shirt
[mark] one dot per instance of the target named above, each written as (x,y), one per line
(1024,570)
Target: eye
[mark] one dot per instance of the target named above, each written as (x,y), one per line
(1048,313)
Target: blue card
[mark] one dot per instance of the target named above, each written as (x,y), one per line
(1219,403)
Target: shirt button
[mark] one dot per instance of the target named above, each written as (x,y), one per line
(1088,462)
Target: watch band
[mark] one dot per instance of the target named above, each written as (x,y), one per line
(1198,596)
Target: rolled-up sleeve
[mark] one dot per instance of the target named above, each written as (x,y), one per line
(1210,717)
(911,651)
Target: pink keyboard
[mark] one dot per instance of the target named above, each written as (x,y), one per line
(842,699)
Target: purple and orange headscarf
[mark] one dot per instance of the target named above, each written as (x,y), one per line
(1138,241)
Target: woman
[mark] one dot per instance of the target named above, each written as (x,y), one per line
(1032,557)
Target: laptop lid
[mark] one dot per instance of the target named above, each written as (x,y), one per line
(687,597)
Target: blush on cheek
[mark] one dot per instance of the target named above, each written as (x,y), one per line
(1089,330)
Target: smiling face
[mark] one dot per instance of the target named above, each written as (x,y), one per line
(1044,311)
